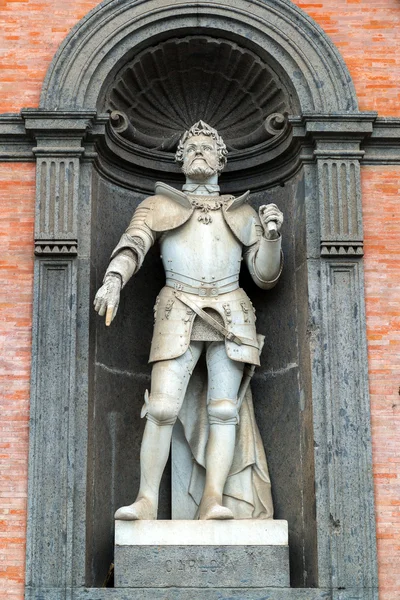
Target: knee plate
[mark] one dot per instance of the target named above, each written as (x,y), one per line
(223,412)
(161,409)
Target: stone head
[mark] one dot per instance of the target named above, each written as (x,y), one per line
(201,152)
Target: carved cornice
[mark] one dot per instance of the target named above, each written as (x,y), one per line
(380,142)
(357,126)
(15,143)
(39,121)
(383,147)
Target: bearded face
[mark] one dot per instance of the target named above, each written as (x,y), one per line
(200,157)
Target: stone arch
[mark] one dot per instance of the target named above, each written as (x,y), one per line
(114,29)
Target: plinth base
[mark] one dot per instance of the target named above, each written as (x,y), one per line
(202,554)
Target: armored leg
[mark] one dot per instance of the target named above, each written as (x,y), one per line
(225,376)
(169,380)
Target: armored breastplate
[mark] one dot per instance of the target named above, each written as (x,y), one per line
(203,253)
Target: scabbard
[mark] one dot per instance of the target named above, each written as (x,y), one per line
(208,319)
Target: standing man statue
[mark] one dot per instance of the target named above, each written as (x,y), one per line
(203,239)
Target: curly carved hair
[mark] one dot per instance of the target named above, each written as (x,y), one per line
(201,128)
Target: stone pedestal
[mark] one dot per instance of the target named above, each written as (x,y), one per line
(201,554)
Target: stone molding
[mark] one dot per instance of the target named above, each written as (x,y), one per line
(56,247)
(383,147)
(380,144)
(202,594)
(335,249)
(352,593)
(16,144)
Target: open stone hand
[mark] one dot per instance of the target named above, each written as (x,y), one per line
(271,219)
(107,298)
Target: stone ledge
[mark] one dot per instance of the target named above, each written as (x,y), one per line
(241,532)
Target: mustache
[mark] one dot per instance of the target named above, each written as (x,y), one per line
(199,171)
(201,158)
(203,170)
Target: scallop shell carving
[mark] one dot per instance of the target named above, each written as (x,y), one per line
(168,87)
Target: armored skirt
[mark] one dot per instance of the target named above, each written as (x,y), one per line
(174,320)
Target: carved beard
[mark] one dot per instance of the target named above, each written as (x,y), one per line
(199,171)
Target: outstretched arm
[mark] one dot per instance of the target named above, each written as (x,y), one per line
(264,259)
(126,260)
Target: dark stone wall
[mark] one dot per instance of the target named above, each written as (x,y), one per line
(282,385)
(121,374)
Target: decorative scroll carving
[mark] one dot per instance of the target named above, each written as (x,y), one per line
(272,130)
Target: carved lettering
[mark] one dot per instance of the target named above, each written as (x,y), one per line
(191,565)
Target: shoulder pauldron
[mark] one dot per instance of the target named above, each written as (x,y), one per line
(243,220)
(160,213)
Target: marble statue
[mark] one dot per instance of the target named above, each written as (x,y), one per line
(203,237)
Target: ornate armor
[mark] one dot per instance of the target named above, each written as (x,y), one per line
(203,240)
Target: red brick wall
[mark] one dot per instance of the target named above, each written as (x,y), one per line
(30,33)
(17,196)
(366,33)
(381,193)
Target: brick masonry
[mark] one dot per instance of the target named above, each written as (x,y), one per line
(366,33)
(17,197)
(381,190)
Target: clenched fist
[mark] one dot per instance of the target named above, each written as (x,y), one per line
(271,219)
(107,298)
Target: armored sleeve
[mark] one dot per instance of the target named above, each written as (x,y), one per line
(128,256)
(264,259)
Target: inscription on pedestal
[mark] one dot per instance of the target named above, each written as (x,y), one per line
(201,566)
(217,554)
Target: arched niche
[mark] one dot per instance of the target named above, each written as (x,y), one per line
(113,30)
(249,87)
(312,172)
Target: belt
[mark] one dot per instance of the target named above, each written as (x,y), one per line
(205,290)
(208,319)
(239,341)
